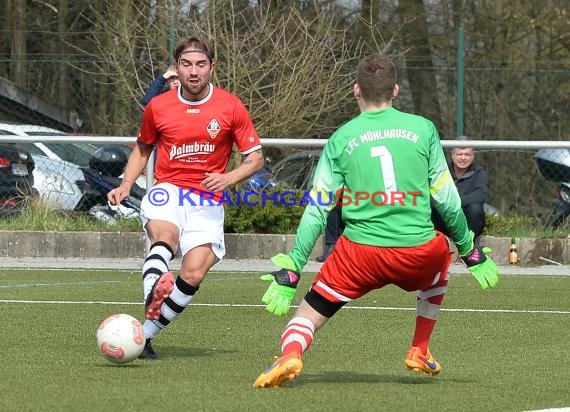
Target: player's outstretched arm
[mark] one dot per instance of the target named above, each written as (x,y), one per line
(281,291)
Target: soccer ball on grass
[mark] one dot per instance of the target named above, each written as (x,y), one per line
(120,338)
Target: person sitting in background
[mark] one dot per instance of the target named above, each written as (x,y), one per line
(163,82)
(472,183)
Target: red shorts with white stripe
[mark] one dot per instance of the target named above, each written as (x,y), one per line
(354,269)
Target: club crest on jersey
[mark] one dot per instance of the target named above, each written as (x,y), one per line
(213,128)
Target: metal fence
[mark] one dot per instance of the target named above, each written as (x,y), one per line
(60,178)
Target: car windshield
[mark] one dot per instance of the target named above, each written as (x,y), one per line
(32,148)
(77,153)
(70,153)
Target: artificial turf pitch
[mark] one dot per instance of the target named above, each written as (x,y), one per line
(504,349)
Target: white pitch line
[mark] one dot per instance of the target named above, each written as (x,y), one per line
(238,305)
(33,285)
(69,302)
(560,312)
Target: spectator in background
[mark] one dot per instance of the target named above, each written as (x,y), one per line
(163,82)
(472,183)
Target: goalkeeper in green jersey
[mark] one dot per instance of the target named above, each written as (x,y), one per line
(383,165)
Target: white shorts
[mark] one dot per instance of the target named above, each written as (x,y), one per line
(197,224)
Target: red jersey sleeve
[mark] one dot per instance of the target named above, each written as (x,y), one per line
(148,133)
(245,136)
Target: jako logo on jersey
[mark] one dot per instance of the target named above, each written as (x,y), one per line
(193,111)
(213,128)
(191,149)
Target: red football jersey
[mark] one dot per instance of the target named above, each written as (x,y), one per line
(193,138)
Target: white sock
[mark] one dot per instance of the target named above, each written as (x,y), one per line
(155,264)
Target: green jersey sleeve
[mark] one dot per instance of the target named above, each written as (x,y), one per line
(446,199)
(315,215)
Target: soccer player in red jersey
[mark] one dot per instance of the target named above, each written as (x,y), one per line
(194,127)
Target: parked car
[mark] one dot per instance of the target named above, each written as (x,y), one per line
(58,181)
(59,176)
(16,178)
(297,170)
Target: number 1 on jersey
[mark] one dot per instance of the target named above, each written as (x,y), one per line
(387,167)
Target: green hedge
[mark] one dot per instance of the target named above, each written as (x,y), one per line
(270,219)
(267,217)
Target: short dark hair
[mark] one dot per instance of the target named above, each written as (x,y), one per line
(376,75)
(462,138)
(196,43)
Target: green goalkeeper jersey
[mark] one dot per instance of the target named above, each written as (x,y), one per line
(382,167)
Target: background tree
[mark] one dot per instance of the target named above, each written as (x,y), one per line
(18,49)
(62,83)
(420,68)
(293,62)
(292,68)
(368,23)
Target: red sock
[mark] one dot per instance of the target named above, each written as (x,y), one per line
(298,336)
(422,334)
(292,347)
(425,326)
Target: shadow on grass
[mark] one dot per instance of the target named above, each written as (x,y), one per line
(165,353)
(129,365)
(355,377)
(169,351)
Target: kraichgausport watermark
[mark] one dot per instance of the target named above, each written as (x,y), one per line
(343,197)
